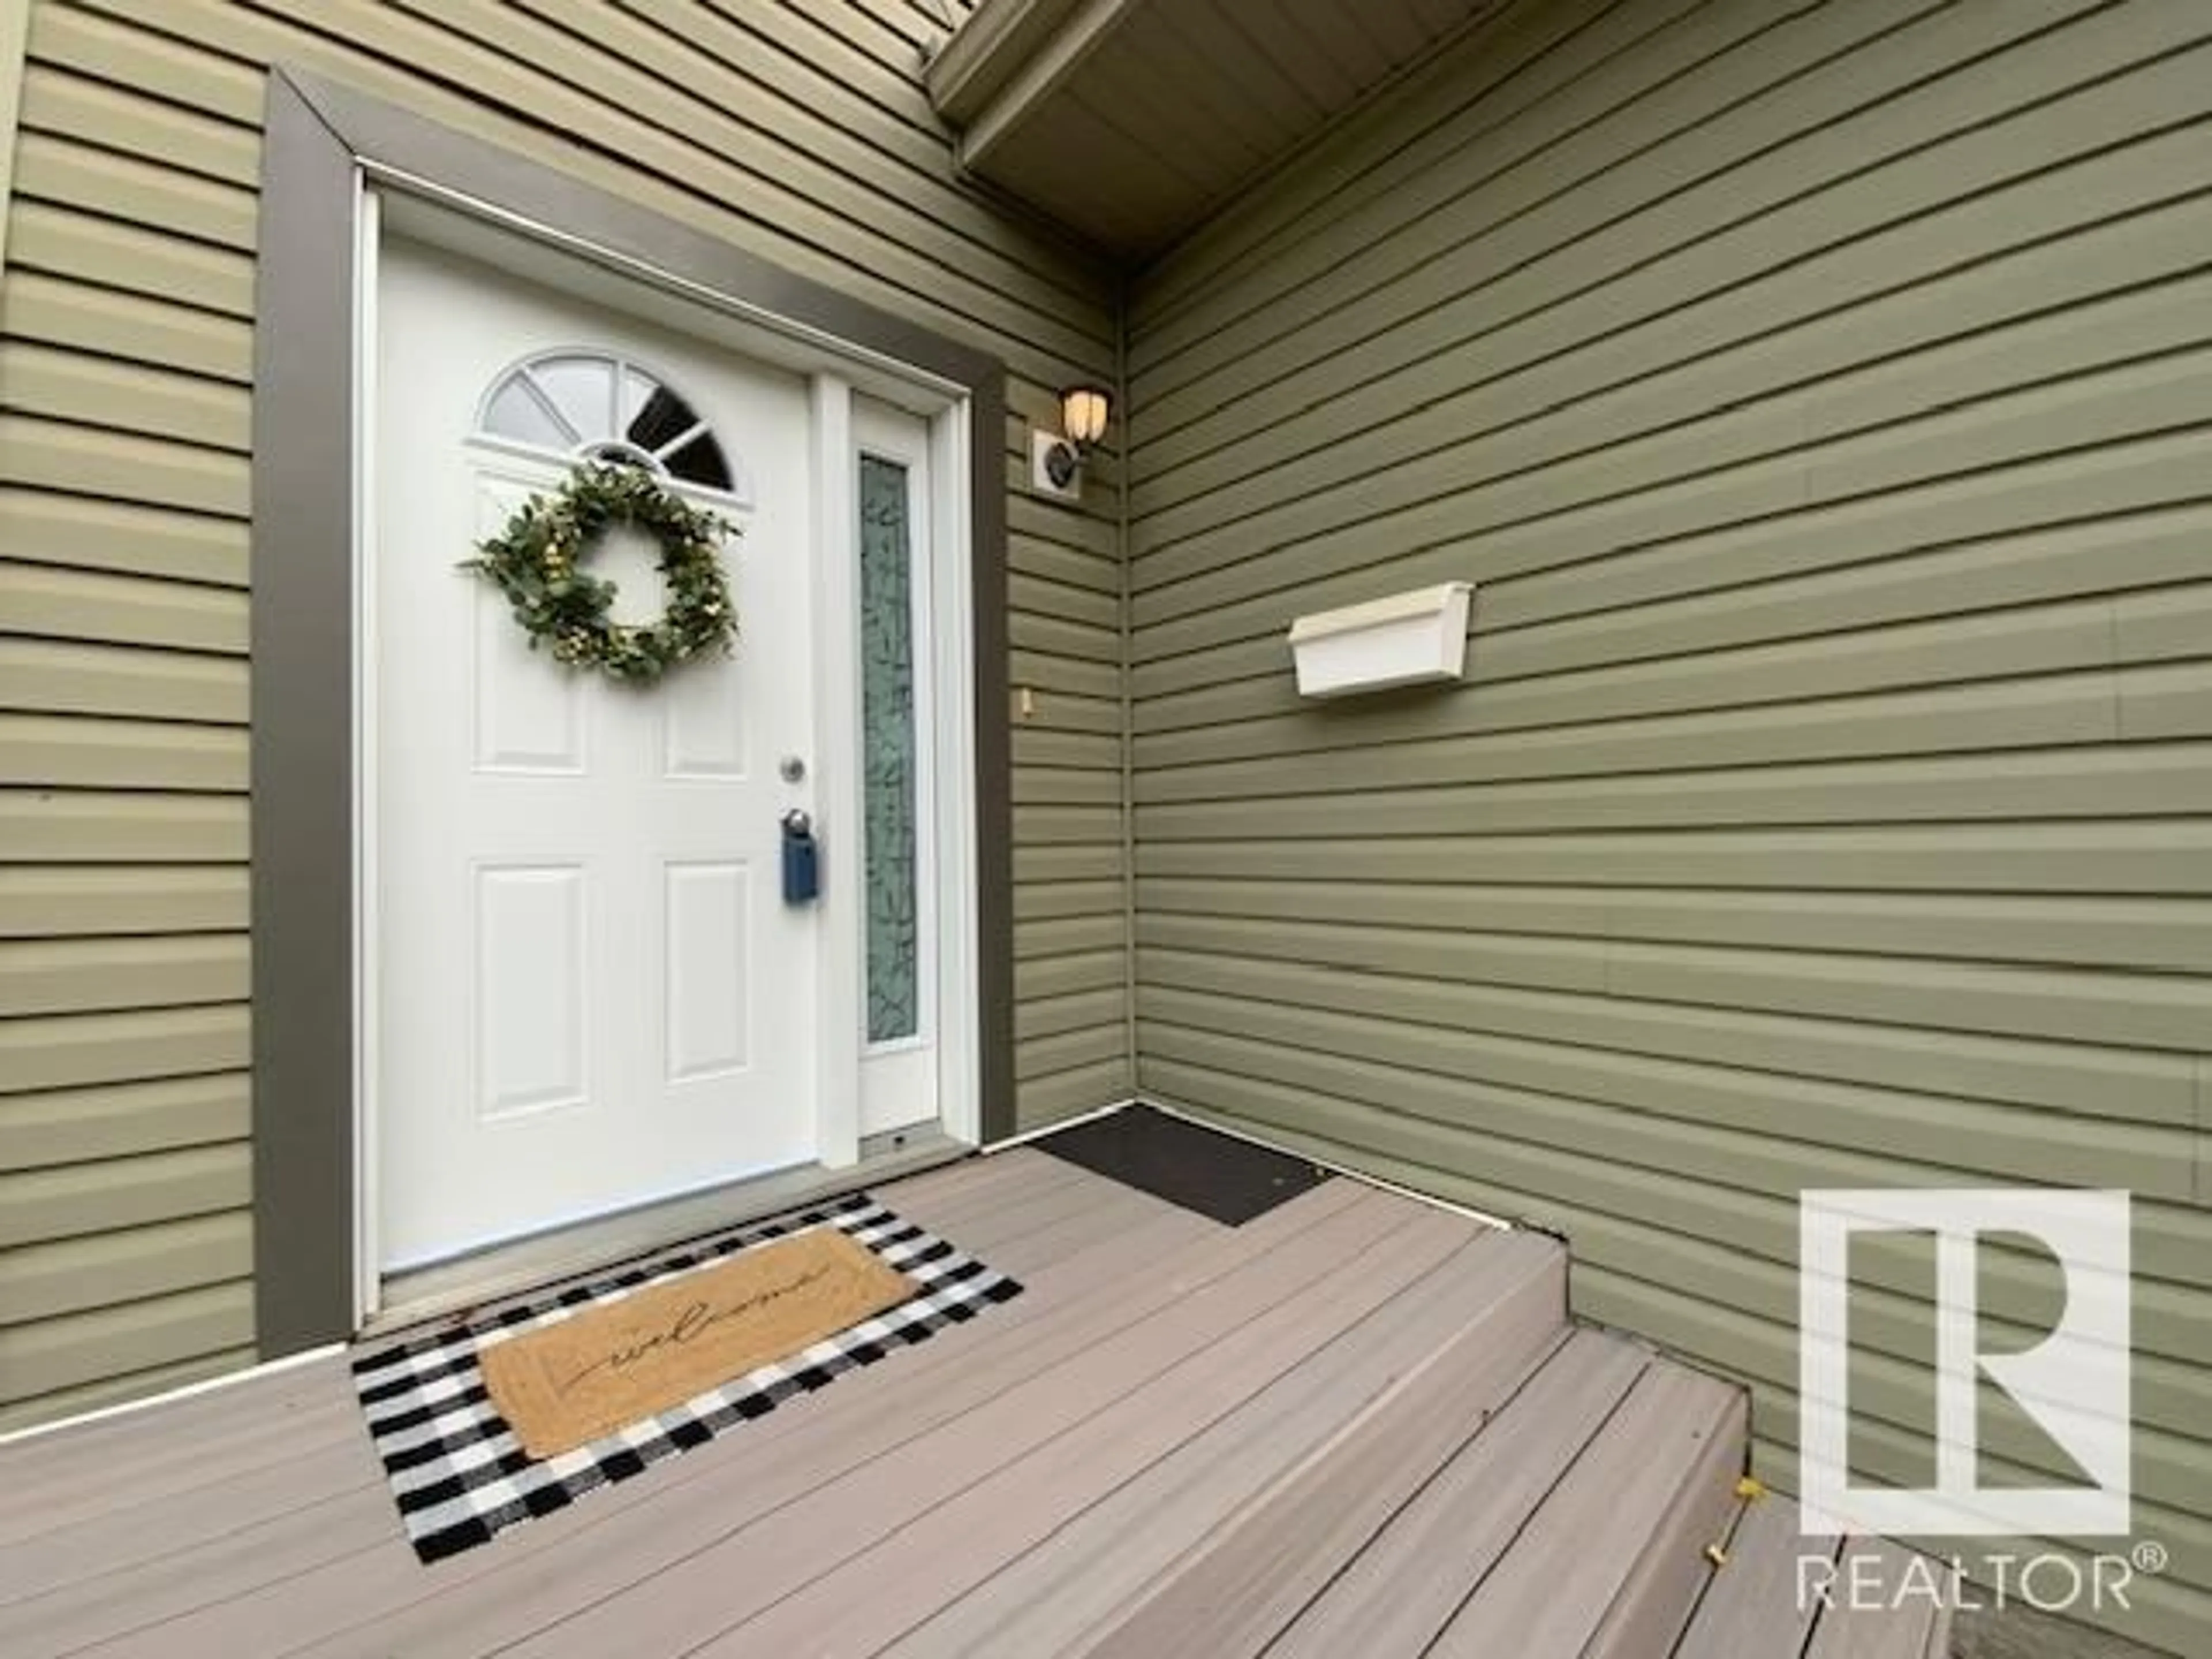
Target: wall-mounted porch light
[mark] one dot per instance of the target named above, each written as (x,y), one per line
(1056,459)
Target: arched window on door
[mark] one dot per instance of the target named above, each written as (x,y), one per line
(600,405)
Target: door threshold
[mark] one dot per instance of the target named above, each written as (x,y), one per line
(473,1283)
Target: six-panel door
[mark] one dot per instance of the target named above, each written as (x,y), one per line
(588,992)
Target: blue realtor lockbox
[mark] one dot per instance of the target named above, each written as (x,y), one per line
(802,859)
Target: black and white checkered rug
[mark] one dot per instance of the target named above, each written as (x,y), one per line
(458,1472)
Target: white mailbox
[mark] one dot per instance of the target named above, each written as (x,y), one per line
(1408,639)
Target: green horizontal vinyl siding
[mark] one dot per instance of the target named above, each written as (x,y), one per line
(801,132)
(1821,399)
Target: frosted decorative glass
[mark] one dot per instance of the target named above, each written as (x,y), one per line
(516,411)
(582,388)
(887,751)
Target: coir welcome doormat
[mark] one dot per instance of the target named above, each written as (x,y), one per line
(585,1376)
(461,1472)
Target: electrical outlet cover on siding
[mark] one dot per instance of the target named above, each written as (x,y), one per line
(1407,638)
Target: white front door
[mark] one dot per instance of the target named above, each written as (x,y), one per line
(589,990)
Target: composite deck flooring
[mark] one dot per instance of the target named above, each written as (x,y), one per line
(1356,1425)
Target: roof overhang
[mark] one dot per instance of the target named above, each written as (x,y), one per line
(1131,120)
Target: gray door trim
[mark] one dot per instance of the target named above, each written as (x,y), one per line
(319,139)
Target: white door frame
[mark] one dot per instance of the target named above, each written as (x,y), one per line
(836,371)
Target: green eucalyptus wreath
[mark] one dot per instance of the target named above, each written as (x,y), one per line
(534,561)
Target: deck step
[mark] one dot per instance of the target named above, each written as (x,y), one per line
(1574,1552)
(1241,1586)
(1759,1605)
(1569,1517)
(1208,1520)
